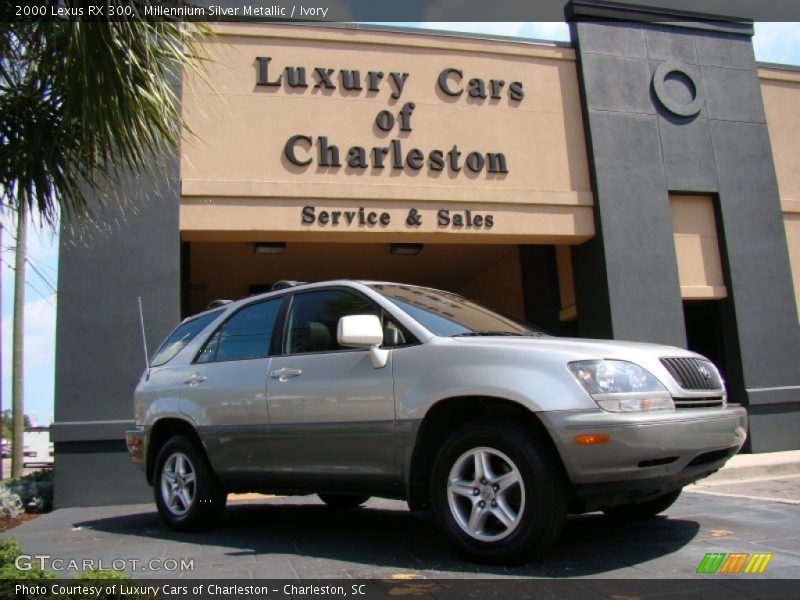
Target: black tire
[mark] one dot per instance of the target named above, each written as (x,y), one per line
(537,501)
(343,501)
(643,510)
(206,496)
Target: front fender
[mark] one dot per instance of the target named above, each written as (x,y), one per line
(429,373)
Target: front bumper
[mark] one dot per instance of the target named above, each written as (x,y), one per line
(648,453)
(135,441)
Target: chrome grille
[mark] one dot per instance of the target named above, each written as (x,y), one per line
(693,373)
(715,402)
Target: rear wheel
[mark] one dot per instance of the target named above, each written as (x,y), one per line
(498,494)
(343,501)
(187,493)
(643,510)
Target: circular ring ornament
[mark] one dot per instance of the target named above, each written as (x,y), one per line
(659,86)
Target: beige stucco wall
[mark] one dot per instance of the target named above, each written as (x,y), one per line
(791,221)
(484,272)
(499,285)
(697,247)
(238,185)
(780,89)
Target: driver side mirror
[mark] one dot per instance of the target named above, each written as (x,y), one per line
(363,331)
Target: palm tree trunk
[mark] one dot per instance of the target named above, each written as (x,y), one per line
(17,396)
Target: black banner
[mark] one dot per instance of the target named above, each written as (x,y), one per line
(370,589)
(386,11)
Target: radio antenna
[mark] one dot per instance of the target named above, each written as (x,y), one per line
(144,337)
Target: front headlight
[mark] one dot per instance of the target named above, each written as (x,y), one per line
(621,386)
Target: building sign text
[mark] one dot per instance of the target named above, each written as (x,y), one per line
(304,149)
(360,217)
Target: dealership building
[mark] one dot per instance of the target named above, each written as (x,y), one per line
(641,183)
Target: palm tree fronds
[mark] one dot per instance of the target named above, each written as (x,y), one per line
(82,103)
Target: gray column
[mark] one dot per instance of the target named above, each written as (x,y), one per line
(645,141)
(99,355)
(635,249)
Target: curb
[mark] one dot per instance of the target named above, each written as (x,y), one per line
(743,467)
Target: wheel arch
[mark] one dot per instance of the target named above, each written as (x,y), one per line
(161,431)
(448,415)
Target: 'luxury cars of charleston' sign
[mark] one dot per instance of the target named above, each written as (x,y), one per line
(304,149)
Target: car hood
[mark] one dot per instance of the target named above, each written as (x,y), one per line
(579,348)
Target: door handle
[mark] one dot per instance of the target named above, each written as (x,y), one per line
(195,378)
(285,374)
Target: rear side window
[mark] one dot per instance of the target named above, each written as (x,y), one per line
(184,334)
(246,335)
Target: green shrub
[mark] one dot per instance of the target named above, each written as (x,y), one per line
(34,490)
(97,574)
(101,579)
(10,575)
(9,550)
(10,504)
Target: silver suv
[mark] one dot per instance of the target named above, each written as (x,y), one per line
(353,389)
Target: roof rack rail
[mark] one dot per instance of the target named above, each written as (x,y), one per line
(217,303)
(285,283)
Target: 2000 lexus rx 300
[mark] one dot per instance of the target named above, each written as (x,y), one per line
(354,389)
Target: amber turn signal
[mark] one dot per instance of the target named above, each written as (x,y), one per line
(588,440)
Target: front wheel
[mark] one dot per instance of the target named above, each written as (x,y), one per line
(497,493)
(187,493)
(643,510)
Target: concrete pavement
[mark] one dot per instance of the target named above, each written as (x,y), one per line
(265,537)
(299,538)
(771,477)
(750,466)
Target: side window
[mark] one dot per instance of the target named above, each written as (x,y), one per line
(314,319)
(209,350)
(247,334)
(393,334)
(182,335)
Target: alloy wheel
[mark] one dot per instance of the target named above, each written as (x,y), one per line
(178,484)
(486,494)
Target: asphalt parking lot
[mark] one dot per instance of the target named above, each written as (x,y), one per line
(300,538)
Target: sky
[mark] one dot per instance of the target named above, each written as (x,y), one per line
(40,318)
(773,42)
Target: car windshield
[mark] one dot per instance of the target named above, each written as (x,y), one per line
(447,314)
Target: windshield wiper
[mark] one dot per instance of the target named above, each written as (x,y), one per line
(489,333)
